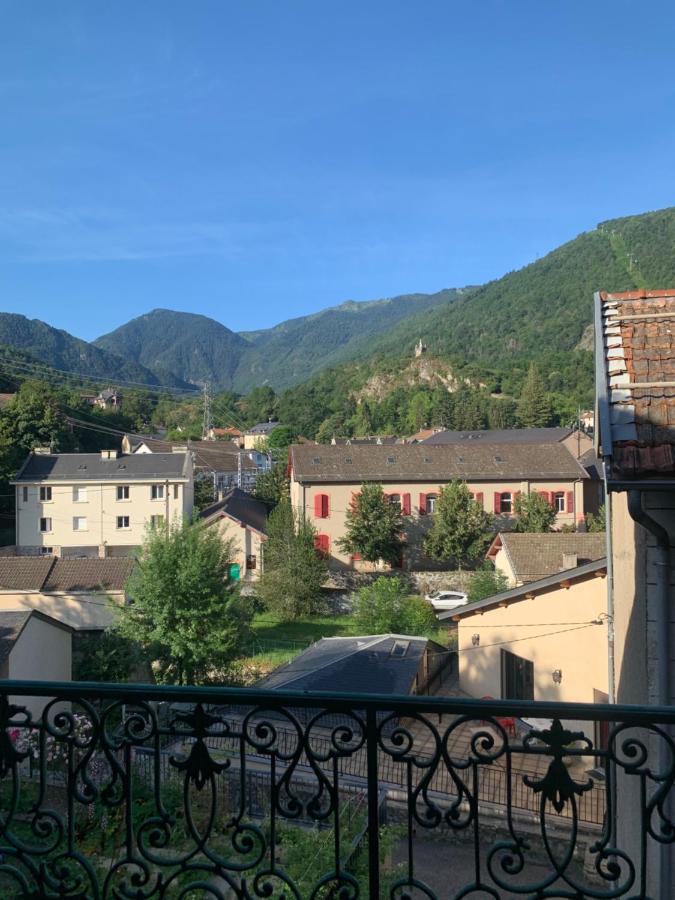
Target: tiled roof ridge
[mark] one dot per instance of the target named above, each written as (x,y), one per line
(637,295)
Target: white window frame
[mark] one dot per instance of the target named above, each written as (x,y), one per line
(157,521)
(122,489)
(77,498)
(559,501)
(175,492)
(78,519)
(123,519)
(46,551)
(432,499)
(48,524)
(157,492)
(45,493)
(506,501)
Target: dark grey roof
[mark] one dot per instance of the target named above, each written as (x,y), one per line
(24,573)
(424,462)
(592,463)
(353,664)
(91,467)
(208,456)
(240,506)
(89,574)
(262,428)
(500,436)
(522,592)
(11,626)
(45,573)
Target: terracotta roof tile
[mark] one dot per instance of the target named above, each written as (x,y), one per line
(535,556)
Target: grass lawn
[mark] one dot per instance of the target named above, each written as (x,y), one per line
(268,627)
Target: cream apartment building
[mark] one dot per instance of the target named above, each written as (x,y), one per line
(98,504)
(324,479)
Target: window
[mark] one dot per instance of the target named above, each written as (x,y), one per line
(157,492)
(79,523)
(123,521)
(46,551)
(251,562)
(559,501)
(79,495)
(122,491)
(432,499)
(321,506)
(25,494)
(506,503)
(517,677)
(45,525)
(45,494)
(156,521)
(395,500)
(175,492)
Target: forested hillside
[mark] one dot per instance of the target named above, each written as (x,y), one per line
(63,351)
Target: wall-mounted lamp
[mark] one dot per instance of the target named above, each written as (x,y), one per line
(475,639)
(556,674)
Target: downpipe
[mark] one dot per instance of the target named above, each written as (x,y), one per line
(640,515)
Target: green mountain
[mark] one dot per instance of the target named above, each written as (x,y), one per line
(294,350)
(61,350)
(179,345)
(195,348)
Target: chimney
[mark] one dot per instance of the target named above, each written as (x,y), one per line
(109,454)
(179,448)
(569,561)
(42,451)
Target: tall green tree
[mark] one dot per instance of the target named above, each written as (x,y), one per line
(486,582)
(386,606)
(597,523)
(294,571)
(184,611)
(460,530)
(272,486)
(373,526)
(533,513)
(534,408)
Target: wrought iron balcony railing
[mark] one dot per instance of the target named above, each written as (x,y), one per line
(133,791)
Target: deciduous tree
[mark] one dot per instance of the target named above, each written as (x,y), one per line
(373,526)
(533,513)
(386,606)
(461,529)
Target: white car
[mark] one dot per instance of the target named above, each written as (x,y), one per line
(444,600)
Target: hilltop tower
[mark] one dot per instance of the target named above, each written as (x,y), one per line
(420,348)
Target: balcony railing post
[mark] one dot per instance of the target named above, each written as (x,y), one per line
(373,806)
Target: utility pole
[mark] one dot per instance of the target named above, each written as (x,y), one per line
(207,427)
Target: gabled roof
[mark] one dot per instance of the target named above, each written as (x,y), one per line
(47,574)
(208,456)
(635,383)
(527,591)
(13,623)
(500,436)
(91,467)
(262,428)
(382,664)
(424,462)
(536,556)
(239,506)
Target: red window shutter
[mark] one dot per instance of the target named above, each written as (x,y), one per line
(322,543)
(405,504)
(356,557)
(318,506)
(497,502)
(325,506)
(479,498)
(569,502)
(546,495)
(353,501)
(423,504)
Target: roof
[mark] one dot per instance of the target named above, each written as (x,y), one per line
(212,456)
(424,462)
(45,573)
(535,556)
(500,436)
(91,467)
(262,428)
(635,345)
(13,623)
(241,507)
(526,591)
(349,663)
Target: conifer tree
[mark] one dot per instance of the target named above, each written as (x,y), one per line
(534,409)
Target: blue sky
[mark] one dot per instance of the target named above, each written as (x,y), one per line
(254,160)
